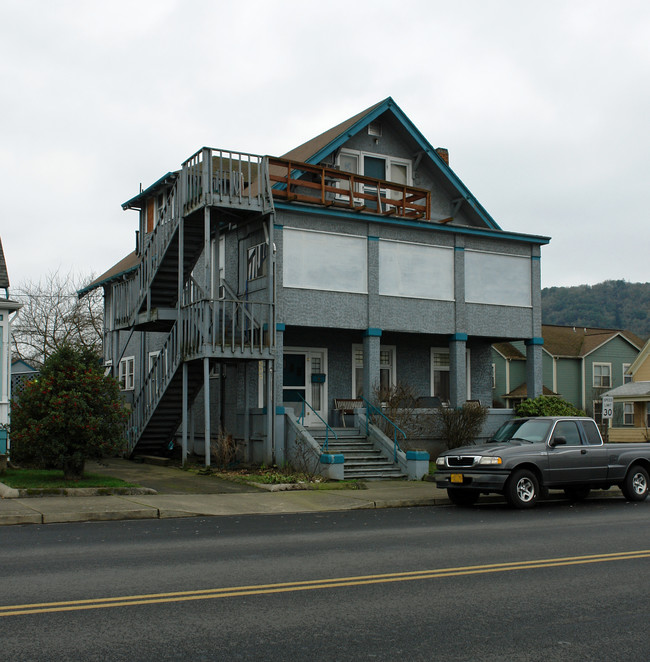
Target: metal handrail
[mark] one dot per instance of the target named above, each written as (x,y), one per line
(396,428)
(328,428)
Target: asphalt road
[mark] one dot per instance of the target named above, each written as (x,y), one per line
(561,582)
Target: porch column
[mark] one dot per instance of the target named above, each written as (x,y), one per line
(206,406)
(534,377)
(457,369)
(371,363)
(274,447)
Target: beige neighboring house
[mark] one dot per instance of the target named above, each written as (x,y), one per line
(635,396)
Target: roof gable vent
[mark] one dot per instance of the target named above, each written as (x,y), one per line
(374,129)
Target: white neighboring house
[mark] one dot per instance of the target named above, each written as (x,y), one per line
(8,309)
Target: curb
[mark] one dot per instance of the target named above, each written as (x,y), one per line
(7,492)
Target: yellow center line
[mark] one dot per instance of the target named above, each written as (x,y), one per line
(285,587)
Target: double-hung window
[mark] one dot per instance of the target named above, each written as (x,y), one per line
(628,413)
(387,376)
(602,375)
(127,373)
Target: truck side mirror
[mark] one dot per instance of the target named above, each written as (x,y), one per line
(557,441)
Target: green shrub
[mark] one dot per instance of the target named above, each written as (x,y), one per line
(546,405)
(71,413)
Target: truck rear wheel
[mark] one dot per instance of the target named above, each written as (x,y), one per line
(462,497)
(635,485)
(522,489)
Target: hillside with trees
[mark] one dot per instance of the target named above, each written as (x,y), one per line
(614,304)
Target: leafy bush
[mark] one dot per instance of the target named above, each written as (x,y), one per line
(546,405)
(71,413)
(461,426)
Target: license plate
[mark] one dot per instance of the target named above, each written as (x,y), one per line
(456,478)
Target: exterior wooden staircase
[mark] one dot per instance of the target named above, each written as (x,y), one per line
(220,185)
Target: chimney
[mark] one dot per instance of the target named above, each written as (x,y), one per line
(443,153)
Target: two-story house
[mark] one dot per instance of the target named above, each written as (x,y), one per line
(579,365)
(634,397)
(263,287)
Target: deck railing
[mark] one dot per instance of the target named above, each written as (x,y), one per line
(213,176)
(302,182)
(214,325)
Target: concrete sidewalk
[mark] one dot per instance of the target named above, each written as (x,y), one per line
(177,493)
(380,494)
(173,492)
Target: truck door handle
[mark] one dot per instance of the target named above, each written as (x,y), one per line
(583,452)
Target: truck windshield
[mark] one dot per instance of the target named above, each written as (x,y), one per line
(522,430)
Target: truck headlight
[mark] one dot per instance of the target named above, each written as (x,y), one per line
(490,459)
(440,462)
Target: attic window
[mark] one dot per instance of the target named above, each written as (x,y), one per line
(374,129)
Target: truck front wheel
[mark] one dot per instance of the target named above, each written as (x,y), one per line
(522,489)
(635,485)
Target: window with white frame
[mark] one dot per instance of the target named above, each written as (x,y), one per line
(440,365)
(628,413)
(627,378)
(602,375)
(387,373)
(152,358)
(127,373)
(377,166)
(440,373)
(256,261)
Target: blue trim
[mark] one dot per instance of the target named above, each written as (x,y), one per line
(278,226)
(389,104)
(458,337)
(422,225)
(459,248)
(327,458)
(280,411)
(534,341)
(417,455)
(372,238)
(535,257)
(372,333)
(280,326)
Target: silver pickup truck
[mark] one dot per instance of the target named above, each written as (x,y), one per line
(527,457)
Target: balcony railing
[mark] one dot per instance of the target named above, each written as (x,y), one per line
(302,182)
(217,176)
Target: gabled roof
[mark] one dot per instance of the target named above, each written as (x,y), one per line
(508,351)
(578,342)
(125,266)
(643,356)
(4,276)
(320,147)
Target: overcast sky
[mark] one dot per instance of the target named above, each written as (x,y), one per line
(544,107)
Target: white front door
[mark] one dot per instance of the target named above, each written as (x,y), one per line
(304,376)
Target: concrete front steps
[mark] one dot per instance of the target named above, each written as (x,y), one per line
(362,459)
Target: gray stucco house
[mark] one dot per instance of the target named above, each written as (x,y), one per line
(357,260)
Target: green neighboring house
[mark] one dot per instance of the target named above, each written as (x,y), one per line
(578,364)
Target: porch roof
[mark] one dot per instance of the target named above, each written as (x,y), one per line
(630,392)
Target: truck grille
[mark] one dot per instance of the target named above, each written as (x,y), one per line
(461,460)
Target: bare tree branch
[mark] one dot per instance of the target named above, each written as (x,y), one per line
(52,315)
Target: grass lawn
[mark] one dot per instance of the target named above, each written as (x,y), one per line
(52,478)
